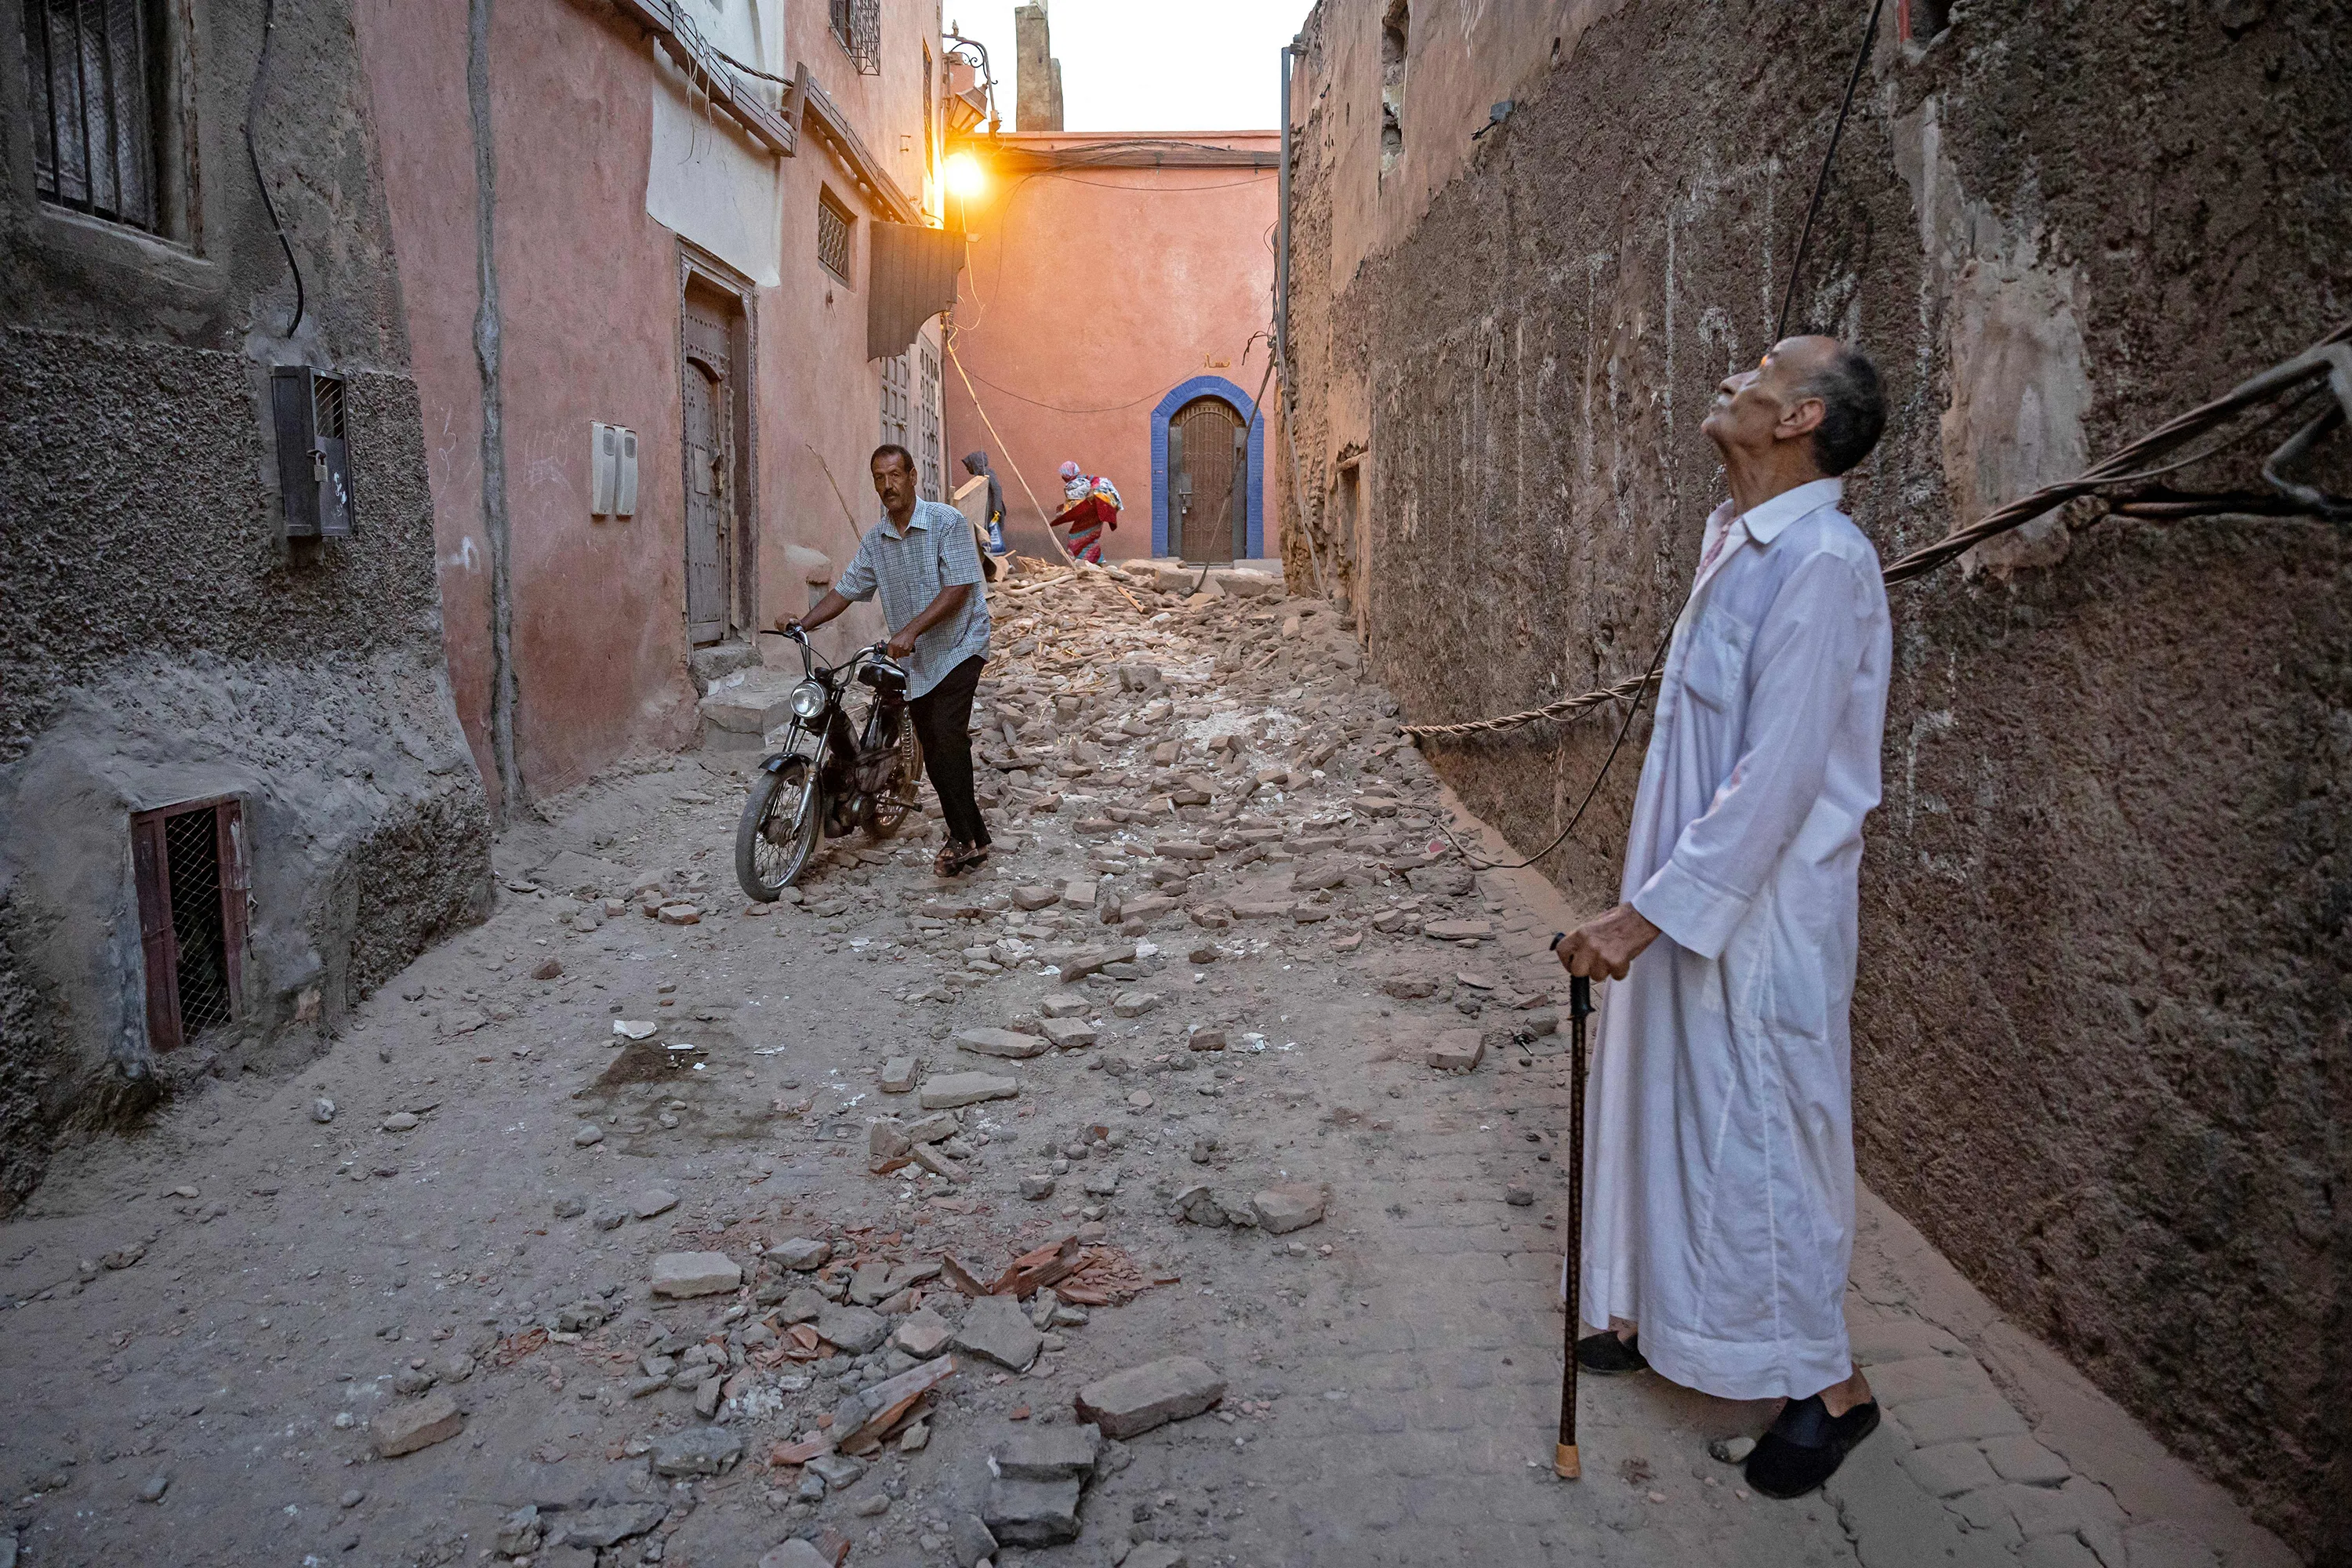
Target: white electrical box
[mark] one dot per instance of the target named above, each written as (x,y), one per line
(604,467)
(612,470)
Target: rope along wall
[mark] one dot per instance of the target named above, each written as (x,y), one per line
(2320,377)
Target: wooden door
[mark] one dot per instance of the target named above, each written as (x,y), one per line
(1207,491)
(709,468)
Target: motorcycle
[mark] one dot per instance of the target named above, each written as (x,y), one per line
(833,772)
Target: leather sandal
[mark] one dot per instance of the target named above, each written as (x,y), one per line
(949,861)
(1805,1444)
(1610,1356)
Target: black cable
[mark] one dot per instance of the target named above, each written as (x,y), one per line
(1631,708)
(1822,182)
(252,108)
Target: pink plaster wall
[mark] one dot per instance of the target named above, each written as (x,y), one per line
(589,294)
(1089,294)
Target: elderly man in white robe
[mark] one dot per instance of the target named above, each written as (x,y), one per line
(1719,1129)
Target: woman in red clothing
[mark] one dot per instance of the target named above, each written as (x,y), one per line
(1089,502)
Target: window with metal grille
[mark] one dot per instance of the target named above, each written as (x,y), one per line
(858,27)
(897,405)
(927,443)
(190,864)
(833,221)
(91,69)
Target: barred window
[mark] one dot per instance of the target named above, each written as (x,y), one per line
(833,221)
(857,26)
(91,65)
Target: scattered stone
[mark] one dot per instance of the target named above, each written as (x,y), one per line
(635,1028)
(1037,1189)
(153,1489)
(684,1274)
(995,1330)
(899,1075)
(651,1202)
(1035,1453)
(1409,987)
(571,1205)
(1135,1004)
(1457,1050)
(698,1451)
(598,1529)
(853,1329)
(407,1428)
(1205,1040)
(549,969)
(1069,1034)
(1002,1043)
(969,1540)
(803,1253)
(1032,1513)
(1035,898)
(520,1533)
(1143,1398)
(923,1334)
(322,1110)
(1519,1195)
(1064,1007)
(794,1553)
(1458,930)
(838,1471)
(588,1135)
(948,1090)
(401,1122)
(1293,1206)
(1157,1554)
(1732,1450)
(678,915)
(1139,1100)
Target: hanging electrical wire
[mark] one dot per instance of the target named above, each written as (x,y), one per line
(253,156)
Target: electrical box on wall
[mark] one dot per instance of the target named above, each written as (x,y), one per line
(314,480)
(612,470)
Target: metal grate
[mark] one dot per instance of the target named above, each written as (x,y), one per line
(857,26)
(897,404)
(928,455)
(191,851)
(833,235)
(88,66)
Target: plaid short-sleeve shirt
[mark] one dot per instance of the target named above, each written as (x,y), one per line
(909,570)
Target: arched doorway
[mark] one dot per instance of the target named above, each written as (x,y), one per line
(1208,462)
(1208,469)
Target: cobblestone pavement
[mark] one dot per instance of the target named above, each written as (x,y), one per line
(217,1324)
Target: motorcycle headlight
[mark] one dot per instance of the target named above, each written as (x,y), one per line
(808,700)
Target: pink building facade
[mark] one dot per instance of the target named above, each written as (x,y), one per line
(616,234)
(1114,313)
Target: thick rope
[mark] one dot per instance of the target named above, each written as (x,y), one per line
(2326,360)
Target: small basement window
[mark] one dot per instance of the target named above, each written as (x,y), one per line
(190,864)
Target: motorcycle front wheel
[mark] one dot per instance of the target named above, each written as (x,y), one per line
(779,830)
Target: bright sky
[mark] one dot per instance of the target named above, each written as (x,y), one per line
(1150,65)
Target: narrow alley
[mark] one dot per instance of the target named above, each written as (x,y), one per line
(1518,784)
(610,1216)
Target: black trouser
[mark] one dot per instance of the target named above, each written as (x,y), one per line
(942,719)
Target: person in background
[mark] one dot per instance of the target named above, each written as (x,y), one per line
(976,464)
(1088,501)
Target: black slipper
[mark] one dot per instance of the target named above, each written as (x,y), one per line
(1805,1447)
(1609,1356)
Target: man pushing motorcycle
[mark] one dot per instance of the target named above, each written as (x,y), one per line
(924,562)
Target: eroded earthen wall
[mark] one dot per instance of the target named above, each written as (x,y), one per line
(2101,1048)
(165,643)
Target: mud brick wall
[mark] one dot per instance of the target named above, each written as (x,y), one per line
(2101,1038)
(164,642)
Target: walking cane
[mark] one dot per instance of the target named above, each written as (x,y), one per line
(1580,1006)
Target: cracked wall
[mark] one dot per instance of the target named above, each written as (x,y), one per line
(2101,1045)
(166,642)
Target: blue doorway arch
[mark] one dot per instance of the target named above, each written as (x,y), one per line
(1253,490)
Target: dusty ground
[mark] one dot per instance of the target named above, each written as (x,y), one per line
(215,1319)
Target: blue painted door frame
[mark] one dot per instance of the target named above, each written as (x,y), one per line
(1253,489)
